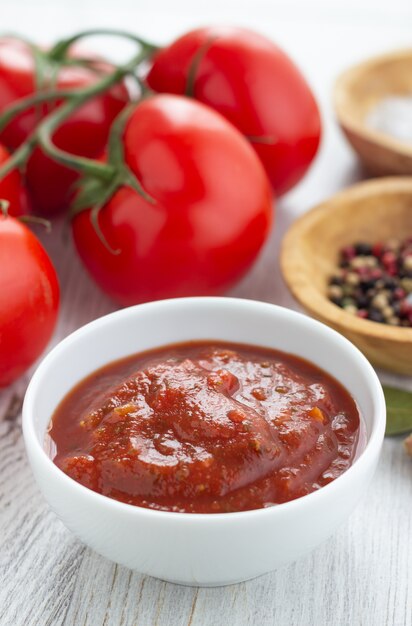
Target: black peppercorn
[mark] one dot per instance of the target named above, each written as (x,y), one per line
(375,281)
(376,316)
(363,249)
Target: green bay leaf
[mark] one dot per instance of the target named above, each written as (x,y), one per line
(399,410)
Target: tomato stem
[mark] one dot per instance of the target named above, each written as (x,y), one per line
(116,154)
(4,207)
(26,219)
(74,99)
(194,66)
(30,101)
(100,180)
(34,219)
(59,51)
(51,123)
(94,218)
(96,193)
(19,157)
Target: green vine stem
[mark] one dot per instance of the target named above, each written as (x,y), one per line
(99,180)
(74,99)
(194,66)
(95,193)
(35,219)
(19,157)
(26,219)
(30,101)
(51,123)
(60,50)
(4,208)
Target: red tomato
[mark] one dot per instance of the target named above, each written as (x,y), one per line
(29,300)
(12,189)
(211,214)
(255,85)
(84,133)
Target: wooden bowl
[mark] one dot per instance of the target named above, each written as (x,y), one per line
(356,92)
(371,211)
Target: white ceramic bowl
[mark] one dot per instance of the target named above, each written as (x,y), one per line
(201,549)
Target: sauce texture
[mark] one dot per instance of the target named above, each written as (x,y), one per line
(206,428)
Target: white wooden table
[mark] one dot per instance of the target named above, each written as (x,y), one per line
(361,576)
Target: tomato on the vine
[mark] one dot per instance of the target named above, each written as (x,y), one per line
(12,189)
(29,305)
(210,214)
(255,85)
(84,133)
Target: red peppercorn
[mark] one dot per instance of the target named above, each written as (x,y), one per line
(363,272)
(405,308)
(399,293)
(376,273)
(388,259)
(377,249)
(348,253)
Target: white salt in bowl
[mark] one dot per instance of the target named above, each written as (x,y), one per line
(357,94)
(187,548)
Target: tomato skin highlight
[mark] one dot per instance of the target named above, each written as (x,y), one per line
(30,302)
(85,133)
(211,212)
(255,85)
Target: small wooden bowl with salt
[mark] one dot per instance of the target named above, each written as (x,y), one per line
(373,104)
(371,211)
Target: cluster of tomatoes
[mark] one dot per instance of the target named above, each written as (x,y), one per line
(225,121)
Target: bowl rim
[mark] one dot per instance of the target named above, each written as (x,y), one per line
(341,91)
(311,298)
(370,451)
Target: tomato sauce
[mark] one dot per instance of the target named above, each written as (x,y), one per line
(206,428)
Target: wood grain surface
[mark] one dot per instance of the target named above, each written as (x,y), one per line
(362,575)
